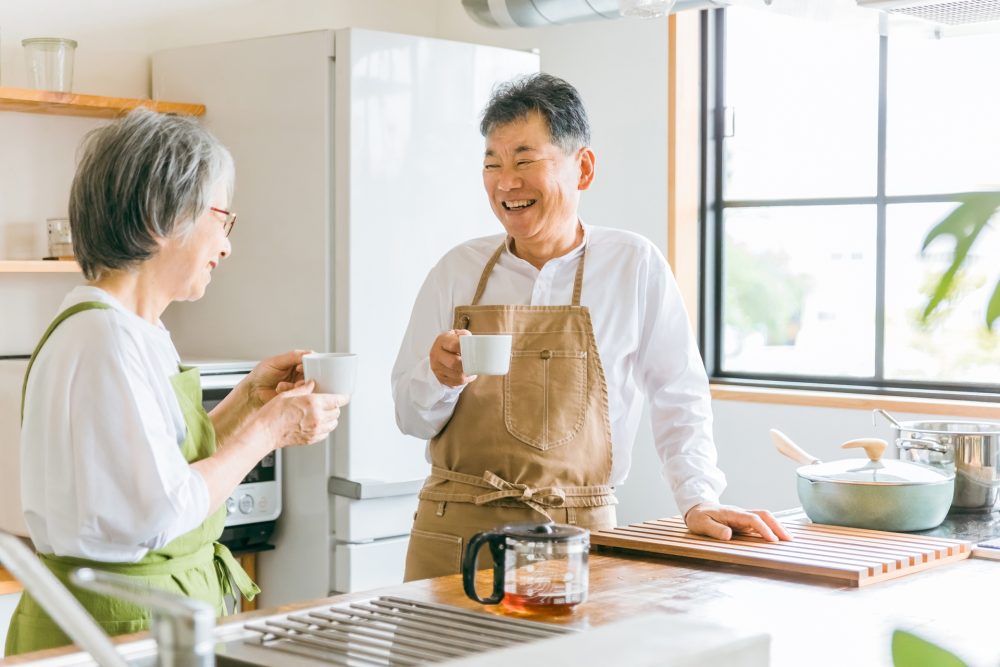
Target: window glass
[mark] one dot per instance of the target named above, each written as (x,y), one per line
(805,101)
(798,290)
(943,125)
(954,346)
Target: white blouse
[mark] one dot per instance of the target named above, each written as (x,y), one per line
(643,336)
(102,473)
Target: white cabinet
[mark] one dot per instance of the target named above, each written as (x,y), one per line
(360,567)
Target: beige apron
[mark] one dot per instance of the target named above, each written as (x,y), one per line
(529,446)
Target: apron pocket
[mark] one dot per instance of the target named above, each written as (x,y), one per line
(545,396)
(432,555)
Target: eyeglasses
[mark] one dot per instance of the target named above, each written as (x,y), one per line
(228,222)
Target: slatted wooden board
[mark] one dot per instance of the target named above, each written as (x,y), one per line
(855,556)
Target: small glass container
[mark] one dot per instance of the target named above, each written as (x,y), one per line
(50,63)
(60,238)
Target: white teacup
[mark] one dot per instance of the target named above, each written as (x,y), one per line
(486,354)
(334,372)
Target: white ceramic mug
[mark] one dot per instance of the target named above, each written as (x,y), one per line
(334,372)
(485,354)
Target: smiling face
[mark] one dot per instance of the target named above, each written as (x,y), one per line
(533,184)
(185,262)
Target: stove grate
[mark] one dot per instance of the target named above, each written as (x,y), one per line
(395,631)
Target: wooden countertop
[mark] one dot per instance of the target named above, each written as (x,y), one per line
(8,584)
(810,620)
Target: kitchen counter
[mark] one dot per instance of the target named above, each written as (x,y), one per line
(811,621)
(8,584)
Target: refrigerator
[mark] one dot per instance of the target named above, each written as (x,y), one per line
(358,165)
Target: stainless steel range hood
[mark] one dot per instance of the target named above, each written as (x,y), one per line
(538,13)
(941,12)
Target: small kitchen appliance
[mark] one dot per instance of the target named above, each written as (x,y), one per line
(253,507)
(537,568)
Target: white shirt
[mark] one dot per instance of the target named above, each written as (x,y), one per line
(102,473)
(643,336)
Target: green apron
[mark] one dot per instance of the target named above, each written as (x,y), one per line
(194,565)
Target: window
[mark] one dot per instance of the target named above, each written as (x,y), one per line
(830,151)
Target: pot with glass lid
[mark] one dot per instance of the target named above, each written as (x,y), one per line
(873,493)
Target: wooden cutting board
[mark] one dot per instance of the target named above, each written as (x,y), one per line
(853,555)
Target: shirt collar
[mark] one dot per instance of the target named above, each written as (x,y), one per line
(572,254)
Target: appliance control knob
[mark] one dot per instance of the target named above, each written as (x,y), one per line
(230,505)
(246,504)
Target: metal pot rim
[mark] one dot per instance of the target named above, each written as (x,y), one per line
(993,428)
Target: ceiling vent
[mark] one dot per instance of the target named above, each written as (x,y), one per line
(943,12)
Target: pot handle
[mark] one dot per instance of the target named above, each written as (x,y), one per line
(874,447)
(790,449)
(892,420)
(918,443)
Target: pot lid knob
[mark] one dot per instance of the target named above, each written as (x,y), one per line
(874,447)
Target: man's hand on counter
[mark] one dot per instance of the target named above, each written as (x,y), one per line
(719,521)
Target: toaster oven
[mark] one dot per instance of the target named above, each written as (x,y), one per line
(254,506)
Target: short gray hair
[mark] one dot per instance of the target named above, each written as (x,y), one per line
(556,100)
(144,177)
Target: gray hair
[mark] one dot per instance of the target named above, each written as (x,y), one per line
(144,177)
(556,100)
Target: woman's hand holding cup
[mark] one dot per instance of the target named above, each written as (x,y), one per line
(300,416)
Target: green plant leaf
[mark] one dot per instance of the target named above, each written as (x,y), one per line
(993,308)
(909,650)
(964,224)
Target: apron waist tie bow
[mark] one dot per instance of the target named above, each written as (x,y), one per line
(537,498)
(232,577)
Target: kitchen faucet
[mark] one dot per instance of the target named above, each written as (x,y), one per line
(181,627)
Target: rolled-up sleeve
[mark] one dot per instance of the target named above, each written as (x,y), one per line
(423,404)
(144,493)
(670,371)
(100,446)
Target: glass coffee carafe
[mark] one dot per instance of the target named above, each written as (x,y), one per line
(537,568)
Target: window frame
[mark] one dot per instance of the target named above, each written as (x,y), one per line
(713,205)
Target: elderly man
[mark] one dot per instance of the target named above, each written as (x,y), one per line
(597,322)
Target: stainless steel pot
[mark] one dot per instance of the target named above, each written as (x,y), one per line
(870,493)
(969,448)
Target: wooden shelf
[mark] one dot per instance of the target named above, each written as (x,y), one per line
(94,106)
(38,266)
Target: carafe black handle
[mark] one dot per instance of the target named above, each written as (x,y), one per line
(498,543)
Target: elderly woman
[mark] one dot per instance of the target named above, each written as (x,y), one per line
(122,468)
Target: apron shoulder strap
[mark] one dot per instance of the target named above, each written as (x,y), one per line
(69,312)
(486,273)
(578,282)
